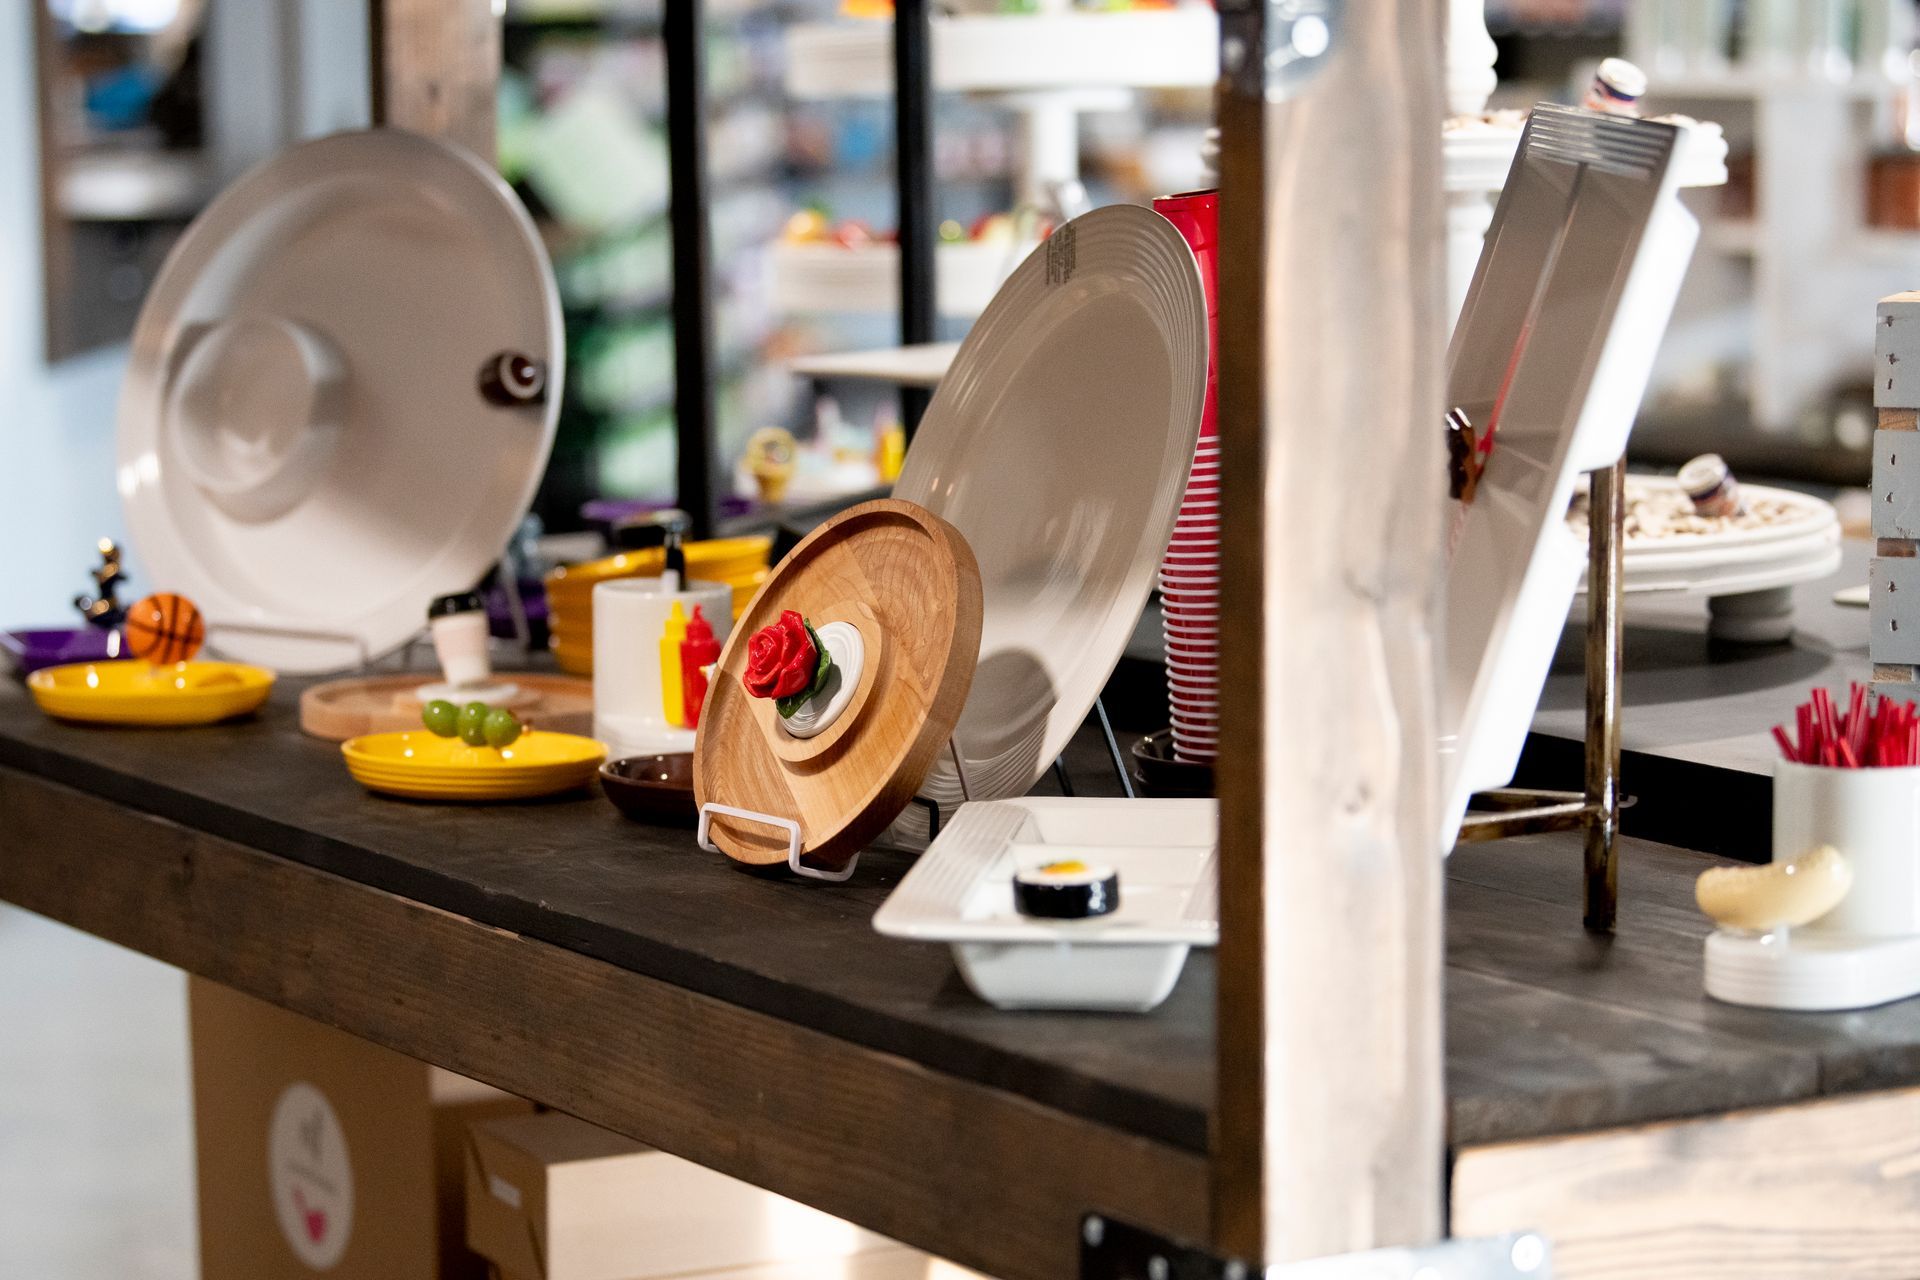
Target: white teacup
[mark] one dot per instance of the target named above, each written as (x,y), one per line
(629,619)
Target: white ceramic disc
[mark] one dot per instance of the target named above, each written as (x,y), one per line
(1058,444)
(303,446)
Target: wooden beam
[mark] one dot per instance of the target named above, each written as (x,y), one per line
(971,1173)
(1828,1189)
(56,233)
(1329,1130)
(436,69)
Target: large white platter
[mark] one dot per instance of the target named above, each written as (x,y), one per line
(961,892)
(920,364)
(1170,48)
(1556,341)
(1058,443)
(303,446)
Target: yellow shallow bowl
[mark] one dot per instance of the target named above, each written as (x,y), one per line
(424,766)
(139,693)
(719,559)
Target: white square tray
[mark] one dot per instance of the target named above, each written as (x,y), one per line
(961,892)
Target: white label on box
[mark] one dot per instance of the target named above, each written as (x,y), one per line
(503,1191)
(310,1176)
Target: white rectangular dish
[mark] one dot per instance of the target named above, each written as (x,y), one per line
(961,892)
(1552,353)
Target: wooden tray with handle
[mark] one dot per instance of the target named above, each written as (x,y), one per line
(907,580)
(342,709)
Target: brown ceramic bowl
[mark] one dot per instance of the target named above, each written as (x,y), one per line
(1160,773)
(656,789)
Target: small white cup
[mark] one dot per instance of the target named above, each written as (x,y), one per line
(1872,816)
(629,618)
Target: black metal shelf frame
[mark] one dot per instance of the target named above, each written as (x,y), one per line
(699,469)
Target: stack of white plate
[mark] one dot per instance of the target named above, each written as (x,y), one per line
(1190,600)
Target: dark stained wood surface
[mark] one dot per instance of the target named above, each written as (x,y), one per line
(918,1155)
(1548,1030)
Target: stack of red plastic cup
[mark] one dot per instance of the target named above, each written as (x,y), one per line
(1190,571)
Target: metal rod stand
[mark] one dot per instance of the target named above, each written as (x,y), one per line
(1595,809)
(913,172)
(683,31)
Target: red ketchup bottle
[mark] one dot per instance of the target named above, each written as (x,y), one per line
(698,652)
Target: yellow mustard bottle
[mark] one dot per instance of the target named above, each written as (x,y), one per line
(672,687)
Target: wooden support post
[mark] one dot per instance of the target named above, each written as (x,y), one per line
(436,69)
(1329,1122)
(1894,571)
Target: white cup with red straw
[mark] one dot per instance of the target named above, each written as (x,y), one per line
(1852,780)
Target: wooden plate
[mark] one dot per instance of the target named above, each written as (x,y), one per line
(342,709)
(908,581)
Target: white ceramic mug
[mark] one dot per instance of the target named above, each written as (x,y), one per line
(1872,816)
(629,618)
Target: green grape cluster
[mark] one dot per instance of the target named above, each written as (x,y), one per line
(475,724)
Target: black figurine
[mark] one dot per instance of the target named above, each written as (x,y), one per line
(104,609)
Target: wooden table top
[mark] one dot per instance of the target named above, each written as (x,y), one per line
(1549,1031)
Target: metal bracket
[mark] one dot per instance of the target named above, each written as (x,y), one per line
(1112,1250)
(1270,48)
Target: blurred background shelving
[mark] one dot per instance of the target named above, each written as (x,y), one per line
(583,139)
(1764,361)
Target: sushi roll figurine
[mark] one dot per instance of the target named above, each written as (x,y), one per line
(1066,890)
(164,628)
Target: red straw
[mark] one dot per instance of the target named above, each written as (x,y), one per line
(1786,744)
(1871,733)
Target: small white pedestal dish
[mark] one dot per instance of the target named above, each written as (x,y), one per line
(1864,952)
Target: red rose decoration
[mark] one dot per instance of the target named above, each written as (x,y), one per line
(781,659)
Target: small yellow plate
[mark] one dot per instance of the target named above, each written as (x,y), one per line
(139,693)
(424,766)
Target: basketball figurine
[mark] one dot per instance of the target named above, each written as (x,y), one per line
(164,629)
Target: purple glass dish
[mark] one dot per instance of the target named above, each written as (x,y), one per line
(32,648)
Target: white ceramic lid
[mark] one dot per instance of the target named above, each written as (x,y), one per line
(304,448)
(1058,444)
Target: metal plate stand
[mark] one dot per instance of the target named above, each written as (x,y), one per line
(1596,810)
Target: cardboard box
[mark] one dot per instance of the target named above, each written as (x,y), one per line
(322,1154)
(553,1198)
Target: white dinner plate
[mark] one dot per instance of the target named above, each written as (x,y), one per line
(303,445)
(1058,444)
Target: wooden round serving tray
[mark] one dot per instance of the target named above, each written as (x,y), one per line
(907,580)
(342,709)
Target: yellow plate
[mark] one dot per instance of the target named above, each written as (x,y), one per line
(134,692)
(424,766)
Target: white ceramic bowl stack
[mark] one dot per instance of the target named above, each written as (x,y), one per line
(1190,601)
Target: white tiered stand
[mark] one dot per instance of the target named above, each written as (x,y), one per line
(1047,68)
